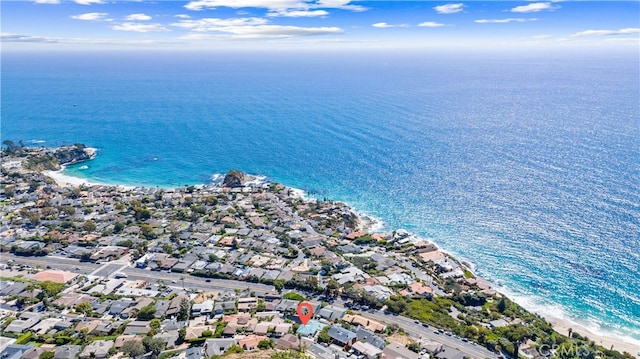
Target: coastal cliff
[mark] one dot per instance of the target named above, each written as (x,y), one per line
(48,159)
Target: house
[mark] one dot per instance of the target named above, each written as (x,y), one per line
(67,352)
(161,307)
(342,336)
(310,329)
(331,312)
(15,351)
(120,340)
(195,353)
(204,308)
(369,351)
(98,349)
(26,321)
(498,323)
(87,326)
(367,336)
(119,306)
(250,342)
(169,338)
(55,276)
(317,351)
(225,307)
(397,351)
(137,327)
(288,341)
(217,346)
(287,306)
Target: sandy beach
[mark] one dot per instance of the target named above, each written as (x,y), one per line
(66,180)
(562,326)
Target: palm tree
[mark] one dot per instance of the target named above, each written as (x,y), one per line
(182,279)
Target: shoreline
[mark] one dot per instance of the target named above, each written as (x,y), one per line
(63,179)
(376,225)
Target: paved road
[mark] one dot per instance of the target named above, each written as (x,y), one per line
(193,282)
(190,282)
(418,331)
(60,263)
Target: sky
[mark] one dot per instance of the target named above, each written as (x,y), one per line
(222,24)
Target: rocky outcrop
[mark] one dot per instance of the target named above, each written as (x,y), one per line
(233,178)
(48,160)
(69,155)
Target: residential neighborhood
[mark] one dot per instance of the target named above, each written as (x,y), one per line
(200,271)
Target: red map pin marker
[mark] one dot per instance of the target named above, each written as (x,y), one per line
(305,312)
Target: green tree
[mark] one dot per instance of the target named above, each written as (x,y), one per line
(185,310)
(147,312)
(182,333)
(147,231)
(133,348)
(414,347)
(154,324)
(84,308)
(333,287)
(293,296)
(118,227)
(141,213)
(235,349)
(516,334)
(89,226)
(265,344)
(396,304)
(279,285)
(153,345)
(502,305)
(46,355)
(51,288)
(323,336)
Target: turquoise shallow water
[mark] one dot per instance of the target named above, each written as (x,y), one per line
(527,167)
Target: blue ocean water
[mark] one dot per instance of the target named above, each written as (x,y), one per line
(527,166)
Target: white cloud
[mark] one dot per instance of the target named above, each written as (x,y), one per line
(504,21)
(247,28)
(383,25)
(137,27)
(626,31)
(182,16)
(274,5)
(449,8)
(138,17)
(535,7)
(91,16)
(430,24)
(89,2)
(298,13)
(7,37)
(265,32)
(51,2)
(541,37)
(215,24)
(264,4)
(337,4)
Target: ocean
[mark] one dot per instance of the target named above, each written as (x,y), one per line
(526,166)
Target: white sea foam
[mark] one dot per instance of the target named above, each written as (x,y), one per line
(255,180)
